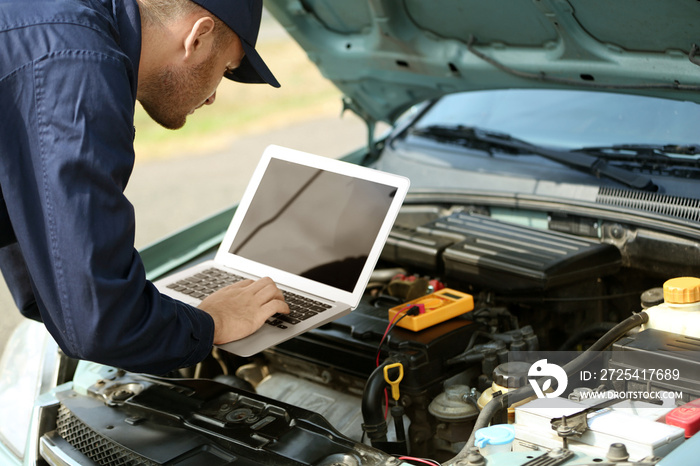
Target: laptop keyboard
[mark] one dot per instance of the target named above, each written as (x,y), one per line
(204,283)
(300,309)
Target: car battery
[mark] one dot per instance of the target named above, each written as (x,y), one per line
(349,345)
(642,437)
(478,250)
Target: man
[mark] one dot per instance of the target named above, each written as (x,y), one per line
(70,73)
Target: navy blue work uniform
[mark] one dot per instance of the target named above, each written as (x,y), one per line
(68,77)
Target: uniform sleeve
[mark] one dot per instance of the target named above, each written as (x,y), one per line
(75,228)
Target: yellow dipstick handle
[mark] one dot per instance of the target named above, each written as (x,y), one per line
(394,383)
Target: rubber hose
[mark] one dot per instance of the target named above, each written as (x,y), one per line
(595,329)
(374,424)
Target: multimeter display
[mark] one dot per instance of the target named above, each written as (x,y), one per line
(452,296)
(434,308)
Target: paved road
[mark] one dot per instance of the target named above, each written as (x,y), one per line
(170,194)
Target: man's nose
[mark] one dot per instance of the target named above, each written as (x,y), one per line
(211,99)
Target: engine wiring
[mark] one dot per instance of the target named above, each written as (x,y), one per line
(409,311)
(419,460)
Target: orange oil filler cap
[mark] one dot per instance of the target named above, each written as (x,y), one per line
(682,290)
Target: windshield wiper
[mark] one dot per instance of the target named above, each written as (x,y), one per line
(478,138)
(655,154)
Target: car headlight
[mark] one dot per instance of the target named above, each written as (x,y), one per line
(26,370)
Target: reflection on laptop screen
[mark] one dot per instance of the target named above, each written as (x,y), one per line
(313,223)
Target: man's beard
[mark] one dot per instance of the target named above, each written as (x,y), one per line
(171,95)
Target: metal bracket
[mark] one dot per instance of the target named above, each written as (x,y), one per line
(551,458)
(575,425)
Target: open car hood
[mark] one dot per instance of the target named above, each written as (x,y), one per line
(386,55)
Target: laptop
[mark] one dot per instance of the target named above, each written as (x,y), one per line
(315,225)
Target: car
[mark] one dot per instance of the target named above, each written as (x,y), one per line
(537,300)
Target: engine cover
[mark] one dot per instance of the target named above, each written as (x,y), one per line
(502,256)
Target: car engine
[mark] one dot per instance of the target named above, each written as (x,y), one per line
(366,389)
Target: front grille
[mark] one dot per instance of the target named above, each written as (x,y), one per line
(673,206)
(95,446)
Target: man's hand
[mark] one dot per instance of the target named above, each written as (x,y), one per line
(240,309)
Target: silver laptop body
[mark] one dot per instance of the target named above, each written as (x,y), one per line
(315,225)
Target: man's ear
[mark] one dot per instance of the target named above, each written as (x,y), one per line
(200,38)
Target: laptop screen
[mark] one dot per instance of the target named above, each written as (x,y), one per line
(313,223)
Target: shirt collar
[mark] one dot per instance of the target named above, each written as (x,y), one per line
(128,19)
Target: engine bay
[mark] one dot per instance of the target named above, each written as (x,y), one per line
(365,389)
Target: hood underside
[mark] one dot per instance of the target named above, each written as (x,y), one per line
(386,55)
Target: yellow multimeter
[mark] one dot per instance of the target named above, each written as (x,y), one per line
(433,308)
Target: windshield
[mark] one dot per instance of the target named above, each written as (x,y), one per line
(570,119)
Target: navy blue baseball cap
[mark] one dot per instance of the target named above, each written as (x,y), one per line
(243,17)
